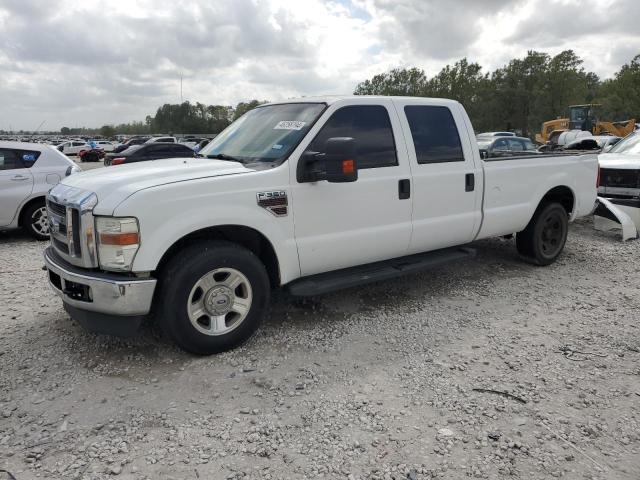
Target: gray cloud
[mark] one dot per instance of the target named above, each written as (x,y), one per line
(571,21)
(439,29)
(97,62)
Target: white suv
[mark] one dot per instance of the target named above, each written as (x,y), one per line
(73,147)
(27,172)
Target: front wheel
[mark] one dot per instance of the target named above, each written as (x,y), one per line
(213,297)
(543,239)
(36,221)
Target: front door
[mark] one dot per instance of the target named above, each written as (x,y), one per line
(339,225)
(16,183)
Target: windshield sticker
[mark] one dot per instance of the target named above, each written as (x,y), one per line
(290,125)
(277,146)
(29,157)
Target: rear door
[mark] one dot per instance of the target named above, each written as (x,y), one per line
(340,225)
(447,184)
(16,183)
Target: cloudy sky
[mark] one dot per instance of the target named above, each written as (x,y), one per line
(92,62)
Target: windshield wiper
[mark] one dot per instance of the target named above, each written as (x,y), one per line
(224,156)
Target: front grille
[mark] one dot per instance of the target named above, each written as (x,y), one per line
(610,177)
(62,217)
(58,209)
(70,211)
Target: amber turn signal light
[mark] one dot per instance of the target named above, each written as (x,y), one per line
(348,167)
(121,239)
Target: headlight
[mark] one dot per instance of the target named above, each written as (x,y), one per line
(118,242)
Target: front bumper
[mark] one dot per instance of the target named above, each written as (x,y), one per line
(102,293)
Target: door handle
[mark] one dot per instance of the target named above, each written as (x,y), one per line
(404,189)
(17,178)
(469,182)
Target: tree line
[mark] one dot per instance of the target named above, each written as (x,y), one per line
(522,94)
(175,119)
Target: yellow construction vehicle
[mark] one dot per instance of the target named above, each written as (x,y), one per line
(583,117)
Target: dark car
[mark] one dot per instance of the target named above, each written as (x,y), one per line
(148,151)
(130,143)
(491,147)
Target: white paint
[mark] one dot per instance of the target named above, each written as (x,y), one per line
(336,225)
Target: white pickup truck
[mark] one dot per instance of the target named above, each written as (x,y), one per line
(310,195)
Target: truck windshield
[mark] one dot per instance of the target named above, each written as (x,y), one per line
(265,134)
(628,145)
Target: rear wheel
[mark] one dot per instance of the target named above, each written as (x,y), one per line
(213,296)
(543,240)
(35,221)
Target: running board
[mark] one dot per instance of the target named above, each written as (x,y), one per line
(376,272)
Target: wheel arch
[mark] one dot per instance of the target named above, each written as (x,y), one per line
(563,195)
(27,204)
(248,237)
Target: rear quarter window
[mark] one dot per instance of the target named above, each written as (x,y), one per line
(434,133)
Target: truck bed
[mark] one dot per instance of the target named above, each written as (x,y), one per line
(509,203)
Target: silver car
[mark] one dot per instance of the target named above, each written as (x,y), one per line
(27,172)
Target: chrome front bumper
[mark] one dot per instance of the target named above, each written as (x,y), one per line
(96,291)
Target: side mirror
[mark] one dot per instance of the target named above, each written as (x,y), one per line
(340,160)
(337,164)
(484,153)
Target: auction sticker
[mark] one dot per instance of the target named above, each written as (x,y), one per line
(289,125)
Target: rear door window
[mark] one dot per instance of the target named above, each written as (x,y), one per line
(9,160)
(516,145)
(434,133)
(369,126)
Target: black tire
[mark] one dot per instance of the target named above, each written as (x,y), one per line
(182,274)
(33,222)
(543,239)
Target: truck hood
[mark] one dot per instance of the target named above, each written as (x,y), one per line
(114,184)
(619,161)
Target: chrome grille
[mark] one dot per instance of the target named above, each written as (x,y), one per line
(71,224)
(57,209)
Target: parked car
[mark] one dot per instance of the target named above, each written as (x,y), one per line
(495,134)
(491,147)
(203,143)
(311,195)
(162,140)
(619,177)
(149,151)
(105,145)
(73,147)
(27,172)
(190,142)
(130,143)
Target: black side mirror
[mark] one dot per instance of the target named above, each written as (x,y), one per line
(484,153)
(337,164)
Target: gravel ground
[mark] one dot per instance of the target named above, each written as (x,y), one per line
(489,368)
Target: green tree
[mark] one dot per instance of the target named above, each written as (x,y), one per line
(397,82)
(244,107)
(620,95)
(107,131)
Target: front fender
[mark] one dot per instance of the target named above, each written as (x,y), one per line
(169,213)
